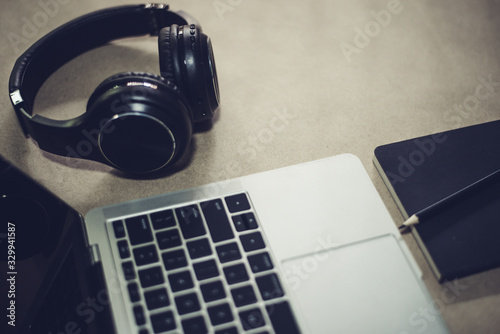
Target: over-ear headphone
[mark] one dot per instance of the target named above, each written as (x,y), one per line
(136,122)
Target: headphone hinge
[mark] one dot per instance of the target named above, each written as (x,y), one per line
(22,115)
(157,18)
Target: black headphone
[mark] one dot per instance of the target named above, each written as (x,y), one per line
(136,122)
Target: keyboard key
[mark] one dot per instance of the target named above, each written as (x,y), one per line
(128,270)
(138,230)
(190,221)
(230,330)
(252,318)
(139,315)
(282,318)
(194,326)
(123,249)
(252,241)
(144,331)
(228,253)
(217,221)
(163,219)
(245,222)
(235,274)
(243,296)
(237,203)
(260,262)
(119,229)
(187,303)
(213,291)
(220,314)
(168,239)
(145,255)
(270,286)
(181,281)
(133,292)
(250,221)
(150,277)
(174,259)
(163,322)
(199,248)
(206,269)
(157,298)
(239,223)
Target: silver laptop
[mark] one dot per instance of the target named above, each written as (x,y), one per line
(304,249)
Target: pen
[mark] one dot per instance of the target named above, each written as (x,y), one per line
(450,200)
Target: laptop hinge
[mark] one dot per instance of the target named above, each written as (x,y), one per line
(95,254)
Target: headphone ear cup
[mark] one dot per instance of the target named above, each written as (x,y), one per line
(186,56)
(165,54)
(145,123)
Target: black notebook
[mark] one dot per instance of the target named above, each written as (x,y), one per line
(464,239)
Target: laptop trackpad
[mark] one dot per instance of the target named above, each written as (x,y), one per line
(365,287)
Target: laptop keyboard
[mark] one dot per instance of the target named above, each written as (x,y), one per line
(202,268)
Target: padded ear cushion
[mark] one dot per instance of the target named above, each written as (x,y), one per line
(165,53)
(117,79)
(186,54)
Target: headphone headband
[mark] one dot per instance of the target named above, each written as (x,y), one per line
(136,122)
(49,53)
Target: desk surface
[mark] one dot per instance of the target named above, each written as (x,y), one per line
(299,81)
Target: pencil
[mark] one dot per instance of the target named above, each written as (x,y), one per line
(450,200)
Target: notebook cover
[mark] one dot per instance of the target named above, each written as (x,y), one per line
(464,239)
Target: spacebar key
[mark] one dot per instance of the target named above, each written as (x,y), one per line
(282,318)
